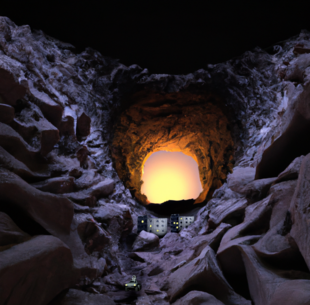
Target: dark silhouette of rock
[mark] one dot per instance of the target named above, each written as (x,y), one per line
(10,233)
(84,198)
(34,272)
(257,189)
(292,292)
(198,298)
(291,172)
(82,155)
(51,110)
(13,143)
(88,117)
(9,162)
(203,272)
(56,185)
(10,88)
(300,211)
(78,297)
(83,125)
(7,113)
(52,212)
(35,129)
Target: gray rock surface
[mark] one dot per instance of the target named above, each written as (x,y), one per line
(77,297)
(63,117)
(45,270)
(198,298)
(145,241)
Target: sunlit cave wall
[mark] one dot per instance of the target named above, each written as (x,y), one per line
(170,176)
(176,122)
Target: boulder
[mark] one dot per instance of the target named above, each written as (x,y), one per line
(256,222)
(103,188)
(61,165)
(282,194)
(257,189)
(84,198)
(82,155)
(10,88)
(59,185)
(117,218)
(240,177)
(203,273)
(7,113)
(300,210)
(87,179)
(35,129)
(94,237)
(38,276)
(198,298)
(295,71)
(76,173)
(213,239)
(225,209)
(277,247)
(262,282)
(83,125)
(9,162)
(301,48)
(13,143)
(10,233)
(272,286)
(68,123)
(291,172)
(295,292)
(78,297)
(145,241)
(51,110)
(52,212)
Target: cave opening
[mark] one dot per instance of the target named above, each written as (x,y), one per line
(170,176)
(193,124)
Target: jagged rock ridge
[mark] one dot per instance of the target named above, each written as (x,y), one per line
(63,203)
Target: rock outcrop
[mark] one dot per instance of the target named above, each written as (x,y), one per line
(75,132)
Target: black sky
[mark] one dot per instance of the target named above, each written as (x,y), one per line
(175,37)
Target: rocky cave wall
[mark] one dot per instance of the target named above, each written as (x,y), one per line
(65,185)
(173,122)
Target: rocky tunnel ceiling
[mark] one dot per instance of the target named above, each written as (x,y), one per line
(191,123)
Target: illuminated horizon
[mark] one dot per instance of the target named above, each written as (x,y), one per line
(170,176)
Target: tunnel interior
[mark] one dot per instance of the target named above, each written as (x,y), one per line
(191,123)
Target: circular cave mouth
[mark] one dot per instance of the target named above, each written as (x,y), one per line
(168,128)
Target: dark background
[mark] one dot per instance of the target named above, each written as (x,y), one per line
(174,37)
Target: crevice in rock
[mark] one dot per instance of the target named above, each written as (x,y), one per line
(236,218)
(290,145)
(239,283)
(260,226)
(291,262)
(23,221)
(287,224)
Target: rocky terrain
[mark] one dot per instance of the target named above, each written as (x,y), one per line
(75,132)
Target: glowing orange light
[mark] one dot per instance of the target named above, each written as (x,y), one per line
(170,176)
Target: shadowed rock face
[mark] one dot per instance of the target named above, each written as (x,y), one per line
(64,119)
(191,123)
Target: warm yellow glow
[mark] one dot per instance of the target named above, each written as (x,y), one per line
(170,176)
